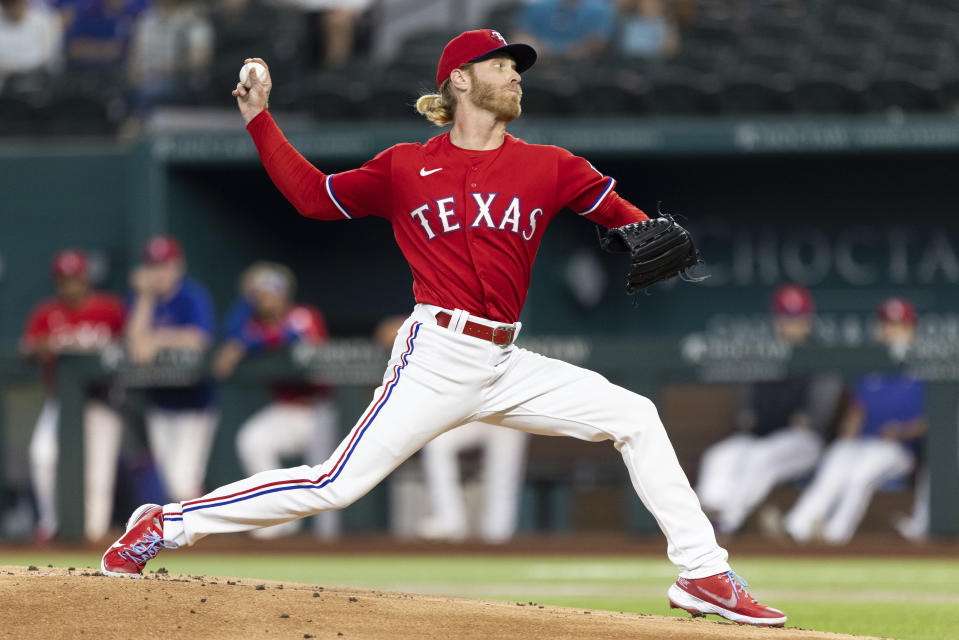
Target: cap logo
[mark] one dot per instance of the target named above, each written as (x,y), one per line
(496,35)
(70,262)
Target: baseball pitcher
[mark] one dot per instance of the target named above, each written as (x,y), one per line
(468,210)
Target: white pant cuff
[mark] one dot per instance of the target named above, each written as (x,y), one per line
(173,524)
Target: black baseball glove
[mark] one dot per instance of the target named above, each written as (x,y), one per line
(659,249)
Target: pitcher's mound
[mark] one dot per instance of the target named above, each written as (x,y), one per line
(47,603)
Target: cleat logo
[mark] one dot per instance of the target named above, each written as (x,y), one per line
(729,602)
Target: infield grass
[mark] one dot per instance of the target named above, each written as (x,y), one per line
(906,599)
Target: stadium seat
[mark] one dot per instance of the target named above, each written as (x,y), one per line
(327,102)
(545,95)
(755,95)
(945,6)
(829,95)
(835,56)
(18,117)
(858,25)
(502,16)
(697,59)
(890,8)
(426,45)
(394,98)
(785,31)
(604,98)
(682,95)
(929,26)
(762,55)
(906,89)
(925,57)
(78,115)
(708,32)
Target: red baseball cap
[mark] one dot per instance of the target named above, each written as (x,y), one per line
(897,310)
(792,300)
(481,44)
(160,249)
(69,262)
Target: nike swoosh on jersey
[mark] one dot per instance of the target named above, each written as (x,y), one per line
(424,172)
(730,602)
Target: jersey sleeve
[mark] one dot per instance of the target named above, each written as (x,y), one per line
(322,331)
(236,318)
(36,328)
(582,188)
(116,314)
(304,324)
(366,191)
(916,404)
(239,326)
(352,194)
(198,310)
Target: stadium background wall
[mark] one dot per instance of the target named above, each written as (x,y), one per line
(854,223)
(855,220)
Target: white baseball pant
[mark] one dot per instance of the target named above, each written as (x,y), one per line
(915,526)
(737,473)
(503,467)
(288,429)
(851,471)
(180,441)
(102,434)
(438,378)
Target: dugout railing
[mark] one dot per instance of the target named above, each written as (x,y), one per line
(354,366)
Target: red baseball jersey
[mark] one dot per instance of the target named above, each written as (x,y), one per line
(468,222)
(92,325)
(302,323)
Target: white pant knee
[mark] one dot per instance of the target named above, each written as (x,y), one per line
(641,419)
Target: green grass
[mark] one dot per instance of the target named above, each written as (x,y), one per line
(907,599)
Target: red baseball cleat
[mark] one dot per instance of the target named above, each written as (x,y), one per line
(141,542)
(725,595)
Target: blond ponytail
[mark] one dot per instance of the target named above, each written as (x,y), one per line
(439,108)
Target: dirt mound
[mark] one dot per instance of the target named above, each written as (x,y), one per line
(47,603)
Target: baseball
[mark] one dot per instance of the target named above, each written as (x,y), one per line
(245,73)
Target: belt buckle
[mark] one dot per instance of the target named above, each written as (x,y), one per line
(506,333)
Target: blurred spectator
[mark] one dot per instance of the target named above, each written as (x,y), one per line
(170,53)
(244,28)
(647,29)
(336,27)
(781,427)
(302,419)
(98,32)
(879,438)
(503,471)
(77,320)
(30,39)
(566,29)
(171,311)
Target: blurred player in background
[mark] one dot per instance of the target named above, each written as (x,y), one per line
(566,29)
(302,420)
(77,320)
(171,311)
(879,438)
(781,426)
(504,463)
(503,453)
